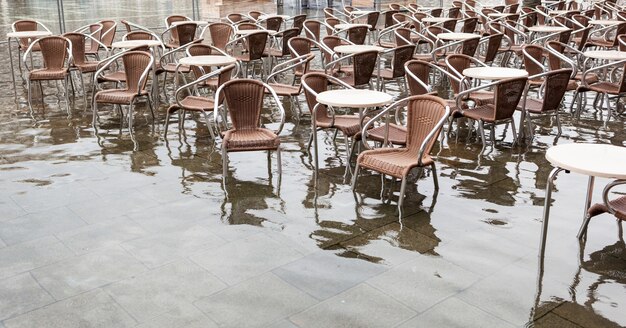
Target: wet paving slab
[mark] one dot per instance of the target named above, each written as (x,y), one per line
(96,233)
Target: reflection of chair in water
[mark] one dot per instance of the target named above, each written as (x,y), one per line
(247,201)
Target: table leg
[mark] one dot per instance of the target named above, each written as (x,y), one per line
(583,228)
(12,71)
(314,131)
(546,213)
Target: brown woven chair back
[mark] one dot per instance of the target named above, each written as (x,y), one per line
(399,17)
(530,18)
(54,50)
(423,114)
(364,64)
(403,36)
(139,35)
(513,8)
(247,26)
(225,76)
(288,34)
(470,24)
(541,19)
(314,29)
(581,19)
(388,16)
(554,62)
(436,12)
(255,14)
(394,6)
(274,23)
(555,88)
(186,32)
(357,34)
(419,16)
(534,52)
(499,8)
(220,34)
(135,63)
(236,18)
(244,98)
(298,22)
(174,33)
(449,25)
(256,45)
(621,42)
(300,45)
(318,82)
(401,55)
(454,12)
(331,22)
(459,63)
(584,36)
(493,45)
(25,25)
(565,36)
(372,19)
(78,46)
(507,96)
(200,50)
(621,29)
(331,42)
(469,46)
(96,33)
(434,31)
(422,71)
(126,25)
(108,32)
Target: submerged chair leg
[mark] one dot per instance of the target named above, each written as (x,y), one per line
(355,176)
(481,128)
(433,168)
(401,196)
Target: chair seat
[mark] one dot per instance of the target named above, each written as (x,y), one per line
(244,57)
(386,44)
(249,140)
(396,162)
(88,66)
(619,204)
(285,89)
(194,103)
(484,112)
(423,57)
(532,105)
(118,76)
(349,125)
(386,74)
(591,78)
(47,74)
(117,96)
(601,87)
(481,97)
(171,68)
(396,136)
(593,42)
(273,52)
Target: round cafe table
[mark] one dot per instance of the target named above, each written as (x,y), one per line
(266,16)
(457,36)
(350,98)
(435,20)
(207,60)
(248,32)
(346,26)
(499,15)
(605,54)
(356,48)
(494,73)
(30,35)
(547,29)
(200,23)
(604,22)
(592,160)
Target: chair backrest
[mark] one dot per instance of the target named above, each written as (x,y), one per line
(136,63)
(364,65)
(171,19)
(256,44)
(401,55)
(78,46)
(420,70)
(244,98)
(394,6)
(372,19)
(54,50)
(507,96)
(274,23)
(127,25)
(298,22)
(402,36)
(315,83)
(449,24)
(247,26)
(138,35)
(555,86)
(330,42)
(24,25)
(236,17)
(388,16)
(255,14)
(469,25)
(287,35)
(469,46)
(621,29)
(533,54)
(436,12)
(200,49)
(220,34)
(454,12)
(424,114)
(186,32)
(554,62)
(584,36)
(459,63)
(96,33)
(313,29)
(357,34)
(331,22)
(108,32)
(493,45)
(299,46)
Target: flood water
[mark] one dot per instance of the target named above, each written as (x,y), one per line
(94,233)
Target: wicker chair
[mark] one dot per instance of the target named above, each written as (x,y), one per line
(312,29)
(173,41)
(255,43)
(290,90)
(272,23)
(244,99)
(401,55)
(137,65)
(56,52)
(282,47)
(196,103)
(426,116)
(220,34)
(553,88)
(179,34)
(201,49)
(615,207)
(26,25)
(506,98)
(360,74)
(298,22)
(80,62)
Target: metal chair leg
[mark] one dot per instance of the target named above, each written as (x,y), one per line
(433,168)
(401,196)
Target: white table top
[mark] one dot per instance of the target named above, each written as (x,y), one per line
(266,16)
(247,32)
(346,26)
(135,43)
(559,12)
(195,22)
(354,98)
(457,36)
(356,48)
(208,60)
(605,54)
(547,29)
(428,8)
(498,15)
(494,73)
(28,34)
(604,22)
(598,160)
(436,19)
